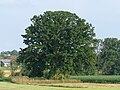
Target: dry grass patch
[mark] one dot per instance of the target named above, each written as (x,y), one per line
(85,85)
(32,81)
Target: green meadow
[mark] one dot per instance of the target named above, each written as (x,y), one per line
(12,86)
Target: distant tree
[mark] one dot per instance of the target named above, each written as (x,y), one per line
(99,47)
(9,54)
(58,43)
(14,52)
(109,57)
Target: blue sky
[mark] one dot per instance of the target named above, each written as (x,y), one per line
(15,16)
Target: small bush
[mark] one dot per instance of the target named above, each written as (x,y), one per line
(15,74)
(59,76)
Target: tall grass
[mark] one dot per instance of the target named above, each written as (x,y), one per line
(24,79)
(98,79)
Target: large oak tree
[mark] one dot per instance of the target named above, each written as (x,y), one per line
(58,43)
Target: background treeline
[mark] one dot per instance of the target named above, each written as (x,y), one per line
(9,54)
(108,56)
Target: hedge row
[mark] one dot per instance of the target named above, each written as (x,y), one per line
(97,79)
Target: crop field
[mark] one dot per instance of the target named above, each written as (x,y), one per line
(11,86)
(98,79)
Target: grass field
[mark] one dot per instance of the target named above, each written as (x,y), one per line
(11,86)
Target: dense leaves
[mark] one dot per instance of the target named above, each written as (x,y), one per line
(58,42)
(109,57)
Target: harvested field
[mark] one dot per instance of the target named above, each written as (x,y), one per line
(11,86)
(84,85)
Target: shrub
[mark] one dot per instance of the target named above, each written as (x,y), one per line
(15,74)
(59,76)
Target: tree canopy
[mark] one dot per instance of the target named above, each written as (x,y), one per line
(58,43)
(109,57)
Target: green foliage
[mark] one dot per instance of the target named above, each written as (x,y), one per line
(58,40)
(8,54)
(59,76)
(109,57)
(97,79)
(14,66)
